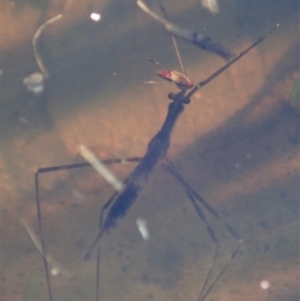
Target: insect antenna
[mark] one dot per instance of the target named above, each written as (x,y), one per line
(157,63)
(151,82)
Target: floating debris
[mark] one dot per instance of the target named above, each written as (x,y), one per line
(35,39)
(211,5)
(89,156)
(78,197)
(204,42)
(142,226)
(264,284)
(35,81)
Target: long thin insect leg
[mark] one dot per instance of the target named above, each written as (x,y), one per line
(101,230)
(202,296)
(170,167)
(226,66)
(39,215)
(97,241)
(98,273)
(102,213)
(194,196)
(44,170)
(211,234)
(156,63)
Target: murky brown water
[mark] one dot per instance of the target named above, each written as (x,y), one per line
(236,143)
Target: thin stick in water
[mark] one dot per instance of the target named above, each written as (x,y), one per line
(35,39)
(179,58)
(89,156)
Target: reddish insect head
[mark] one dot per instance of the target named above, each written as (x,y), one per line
(165,74)
(180,79)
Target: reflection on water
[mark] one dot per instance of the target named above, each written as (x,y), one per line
(236,143)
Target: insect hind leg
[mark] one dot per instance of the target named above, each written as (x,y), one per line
(197,200)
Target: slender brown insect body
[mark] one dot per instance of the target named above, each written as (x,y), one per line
(120,203)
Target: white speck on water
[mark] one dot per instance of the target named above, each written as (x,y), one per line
(142,226)
(95,17)
(34,82)
(55,271)
(264,284)
(211,5)
(78,197)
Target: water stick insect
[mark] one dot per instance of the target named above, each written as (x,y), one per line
(122,200)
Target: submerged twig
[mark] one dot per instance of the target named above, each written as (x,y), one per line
(211,5)
(204,42)
(35,81)
(164,11)
(35,39)
(100,167)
